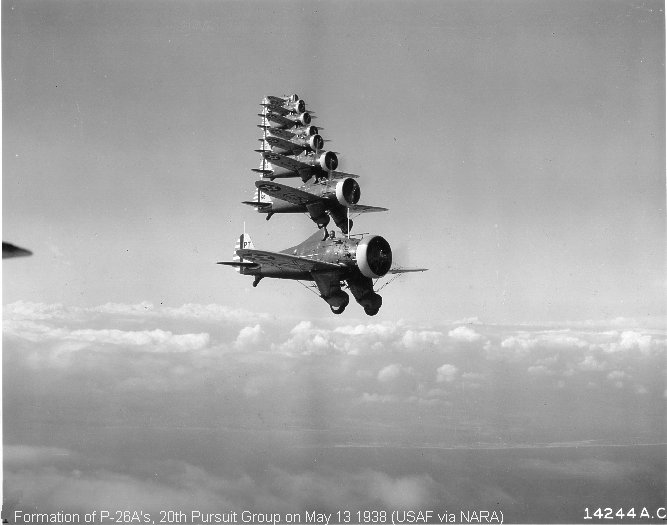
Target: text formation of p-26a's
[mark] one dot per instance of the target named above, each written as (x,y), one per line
(292,148)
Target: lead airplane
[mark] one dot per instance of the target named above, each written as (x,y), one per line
(330,263)
(320,198)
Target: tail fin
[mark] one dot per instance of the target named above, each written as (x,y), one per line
(262,198)
(265,168)
(261,202)
(244,242)
(265,146)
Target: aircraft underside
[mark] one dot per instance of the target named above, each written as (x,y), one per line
(330,286)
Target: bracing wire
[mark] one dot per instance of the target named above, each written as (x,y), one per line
(389,281)
(309,287)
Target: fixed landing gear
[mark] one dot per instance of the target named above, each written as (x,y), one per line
(256,281)
(269,215)
(338,310)
(338,302)
(371,303)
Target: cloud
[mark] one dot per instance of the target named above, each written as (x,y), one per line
(524,340)
(417,339)
(590,362)
(144,310)
(617,377)
(379,398)
(631,340)
(389,373)
(306,339)
(539,370)
(464,334)
(148,340)
(249,336)
(446,373)
(238,412)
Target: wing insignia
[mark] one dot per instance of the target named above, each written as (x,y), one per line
(287,193)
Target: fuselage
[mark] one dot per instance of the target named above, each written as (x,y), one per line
(354,256)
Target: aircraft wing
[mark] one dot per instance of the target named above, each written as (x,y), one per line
(287,193)
(283,261)
(280,120)
(407,270)
(288,163)
(301,168)
(284,144)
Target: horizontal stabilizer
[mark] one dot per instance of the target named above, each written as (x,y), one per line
(258,205)
(10,250)
(239,264)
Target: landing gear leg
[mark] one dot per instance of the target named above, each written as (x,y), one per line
(326,233)
(256,281)
(269,215)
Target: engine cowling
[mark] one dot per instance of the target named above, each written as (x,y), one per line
(311,130)
(304,118)
(328,160)
(348,192)
(373,256)
(299,106)
(316,142)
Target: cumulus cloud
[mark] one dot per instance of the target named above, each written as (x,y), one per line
(555,339)
(590,362)
(249,336)
(389,373)
(378,398)
(306,339)
(464,334)
(446,373)
(416,339)
(220,396)
(539,370)
(618,377)
(631,339)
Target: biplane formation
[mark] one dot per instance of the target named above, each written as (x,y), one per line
(292,148)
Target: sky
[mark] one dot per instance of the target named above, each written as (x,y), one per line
(520,148)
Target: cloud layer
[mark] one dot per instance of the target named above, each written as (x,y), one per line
(206,407)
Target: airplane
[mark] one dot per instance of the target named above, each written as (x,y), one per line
(318,165)
(285,121)
(286,99)
(285,107)
(331,263)
(293,146)
(320,198)
(288,134)
(9,250)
